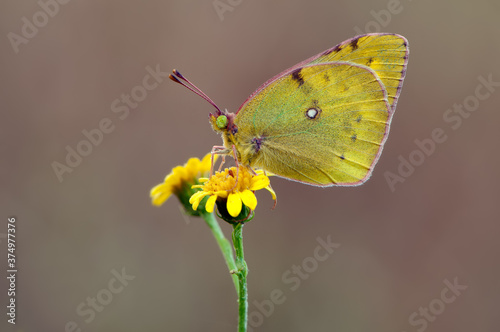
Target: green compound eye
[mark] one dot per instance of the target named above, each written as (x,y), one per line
(221,122)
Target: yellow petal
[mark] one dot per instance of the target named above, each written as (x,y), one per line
(249,199)
(206,162)
(171,179)
(259,182)
(192,168)
(272,192)
(221,193)
(162,187)
(197,196)
(160,198)
(234,204)
(210,204)
(178,173)
(195,204)
(196,199)
(193,163)
(261,171)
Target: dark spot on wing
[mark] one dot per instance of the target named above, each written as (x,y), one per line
(342,157)
(297,76)
(358,120)
(326,77)
(328,51)
(353,137)
(337,48)
(354,44)
(257,142)
(369,62)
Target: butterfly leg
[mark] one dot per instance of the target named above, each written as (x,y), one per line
(216,149)
(237,167)
(222,162)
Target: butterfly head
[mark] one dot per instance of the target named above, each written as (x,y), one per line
(223,122)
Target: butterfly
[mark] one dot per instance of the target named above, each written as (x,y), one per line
(322,122)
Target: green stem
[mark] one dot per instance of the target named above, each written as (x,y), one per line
(241,272)
(224,245)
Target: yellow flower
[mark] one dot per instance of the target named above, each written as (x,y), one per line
(222,188)
(180,181)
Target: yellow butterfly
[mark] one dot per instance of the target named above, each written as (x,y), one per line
(323,121)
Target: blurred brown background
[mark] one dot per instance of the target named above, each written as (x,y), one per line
(399,249)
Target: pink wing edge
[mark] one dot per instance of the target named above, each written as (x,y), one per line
(391,108)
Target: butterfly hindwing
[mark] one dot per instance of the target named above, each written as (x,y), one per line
(322,124)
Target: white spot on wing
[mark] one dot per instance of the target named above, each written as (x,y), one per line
(312,113)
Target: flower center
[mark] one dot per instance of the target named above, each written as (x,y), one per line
(226,180)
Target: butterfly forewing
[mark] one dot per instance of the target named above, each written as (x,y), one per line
(386,54)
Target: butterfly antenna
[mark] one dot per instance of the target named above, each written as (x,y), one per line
(178,78)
